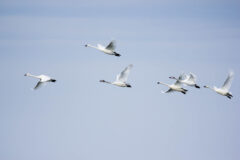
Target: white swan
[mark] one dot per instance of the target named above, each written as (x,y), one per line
(42,79)
(109,49)
(174,87)
(121,78)
(224,90)
(189,80)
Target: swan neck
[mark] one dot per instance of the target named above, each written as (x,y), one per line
(30,75)
(103,81)
(164,84)
(107,82)
(211,88)
(93,46)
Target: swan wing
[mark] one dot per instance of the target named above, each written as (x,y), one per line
(228,81)
(111,46)
(178,83)
(168,91)
(123,76)
(44,78)
(192,77)
(182,76)
(38,85)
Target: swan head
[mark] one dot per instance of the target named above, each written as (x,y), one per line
(205,86)
(27,74)
(158,82)
(86,45)
(102,81)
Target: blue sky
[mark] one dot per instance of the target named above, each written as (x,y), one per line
(80,118)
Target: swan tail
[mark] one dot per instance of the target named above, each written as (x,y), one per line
(53,80)
(184,91)
(117,54)
(229,95)
(128,85)
(197,86)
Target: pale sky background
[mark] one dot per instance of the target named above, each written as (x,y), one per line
(79,118)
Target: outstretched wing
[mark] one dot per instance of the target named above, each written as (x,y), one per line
(38,85)
(122,77)
(192,77)
(228,81)
(168,91)
(178,83)
(182,76)
(111,46)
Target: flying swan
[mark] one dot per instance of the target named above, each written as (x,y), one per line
(189,80)
(174,87)
(121,78)
(224,90)
(42,79)
(109,49)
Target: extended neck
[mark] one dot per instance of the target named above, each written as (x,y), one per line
(163,83)
(30,75)
(88,45)
(105,81)
(210,88)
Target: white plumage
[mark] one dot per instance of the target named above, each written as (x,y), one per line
(121,78)
(189,80)
(42,79)
(109,49)
(224,90)
(174,87)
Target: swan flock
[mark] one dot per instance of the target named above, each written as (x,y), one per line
(121,78)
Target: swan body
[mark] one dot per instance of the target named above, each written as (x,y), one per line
(109,49)
(224,90)
(121,78)
(189,80)
(174,87)
(42,79)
